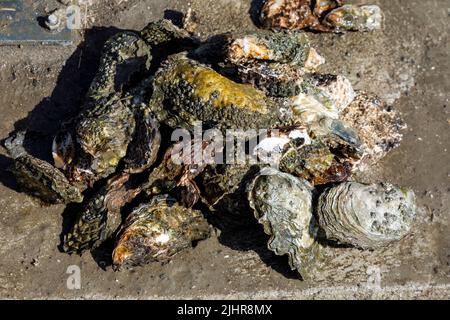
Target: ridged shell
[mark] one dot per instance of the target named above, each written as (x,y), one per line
(100,216)
(366,216)
(283,205)
(156,231)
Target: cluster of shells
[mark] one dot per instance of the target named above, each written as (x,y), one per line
(116,159)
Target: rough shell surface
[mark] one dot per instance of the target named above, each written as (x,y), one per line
(283,205)
(378,124)
(186,92)
(320,15)
(355,18)
(282,47)
(224,188)
(290,14)
(366,216)
(100,215)
(156,231)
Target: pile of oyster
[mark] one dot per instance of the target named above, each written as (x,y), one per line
(138,187)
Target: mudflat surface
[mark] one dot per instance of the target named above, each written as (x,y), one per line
(408,64)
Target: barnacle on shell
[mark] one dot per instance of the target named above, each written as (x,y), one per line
(366,216)
(186,92)
(156,231)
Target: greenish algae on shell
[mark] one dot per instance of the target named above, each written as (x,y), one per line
(186,92)
(156,231)
(283,205)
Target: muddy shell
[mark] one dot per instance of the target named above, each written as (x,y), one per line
(156,231)
(378,124)
(38,177)
(283,205)
(355,18)
(366,216)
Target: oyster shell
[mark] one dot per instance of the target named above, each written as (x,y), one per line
(39,178)
(291,14)
(321,156)
(224,188)
(156,231)
(186,92)
(283,205)
(378,124)
(282,47)
(100,216)
(143,149)
(355,18)
(164,32)
(366,216)
(316,15)
(92,145)
(321,7)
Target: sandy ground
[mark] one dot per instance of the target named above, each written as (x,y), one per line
(408,64)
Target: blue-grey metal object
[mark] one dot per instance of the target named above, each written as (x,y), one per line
(20,23)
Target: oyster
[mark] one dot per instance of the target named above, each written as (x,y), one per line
(100,216)
(164,32)
(143,149)
(366,216)
(156,231)
(282,47)
(321,7)
(320,15)
(224,187)
(355,18)
(378,124)
(283,205)
(320,157)
(92,145)
(185,92)
(39,178)
(290,14)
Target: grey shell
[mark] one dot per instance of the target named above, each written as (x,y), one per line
(283,205)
